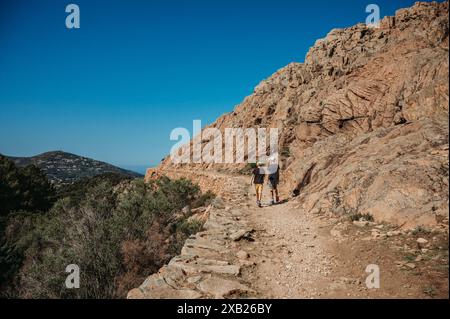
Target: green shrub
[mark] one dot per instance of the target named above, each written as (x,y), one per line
(26,189)
(117,238)
(190,227)
(203,200)
(247,170)
(10,262)
(23,188)
(420,230)
(77,191)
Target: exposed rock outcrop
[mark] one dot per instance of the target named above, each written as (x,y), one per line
(363,121)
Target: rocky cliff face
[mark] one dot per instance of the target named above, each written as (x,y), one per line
(363,121)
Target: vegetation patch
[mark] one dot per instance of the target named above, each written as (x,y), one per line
(118,231)
(247,170)
(420,230)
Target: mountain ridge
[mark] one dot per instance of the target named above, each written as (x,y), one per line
(63,168)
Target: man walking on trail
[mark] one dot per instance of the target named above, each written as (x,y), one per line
(274,177)
(258,179)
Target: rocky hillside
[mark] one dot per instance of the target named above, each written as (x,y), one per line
(64,168)
(363,121)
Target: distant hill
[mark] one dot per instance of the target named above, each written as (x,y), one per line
(64,168)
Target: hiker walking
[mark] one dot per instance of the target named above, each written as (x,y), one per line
(274,178)
(258,175)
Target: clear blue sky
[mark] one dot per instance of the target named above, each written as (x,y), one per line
(115,88)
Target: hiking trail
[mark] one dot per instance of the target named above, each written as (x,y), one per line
(280,251)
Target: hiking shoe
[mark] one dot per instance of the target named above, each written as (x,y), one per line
(272,202)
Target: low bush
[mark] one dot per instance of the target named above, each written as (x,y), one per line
(203,200)
(116,237)
(23,188)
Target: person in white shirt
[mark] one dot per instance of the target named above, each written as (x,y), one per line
(273,169)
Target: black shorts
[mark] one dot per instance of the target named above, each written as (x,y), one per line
(273,184)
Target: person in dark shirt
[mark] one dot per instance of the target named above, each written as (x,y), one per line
(258,175)
(274,180)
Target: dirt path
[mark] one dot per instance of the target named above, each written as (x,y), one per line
(281,251)
(294,262)
(299,255)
